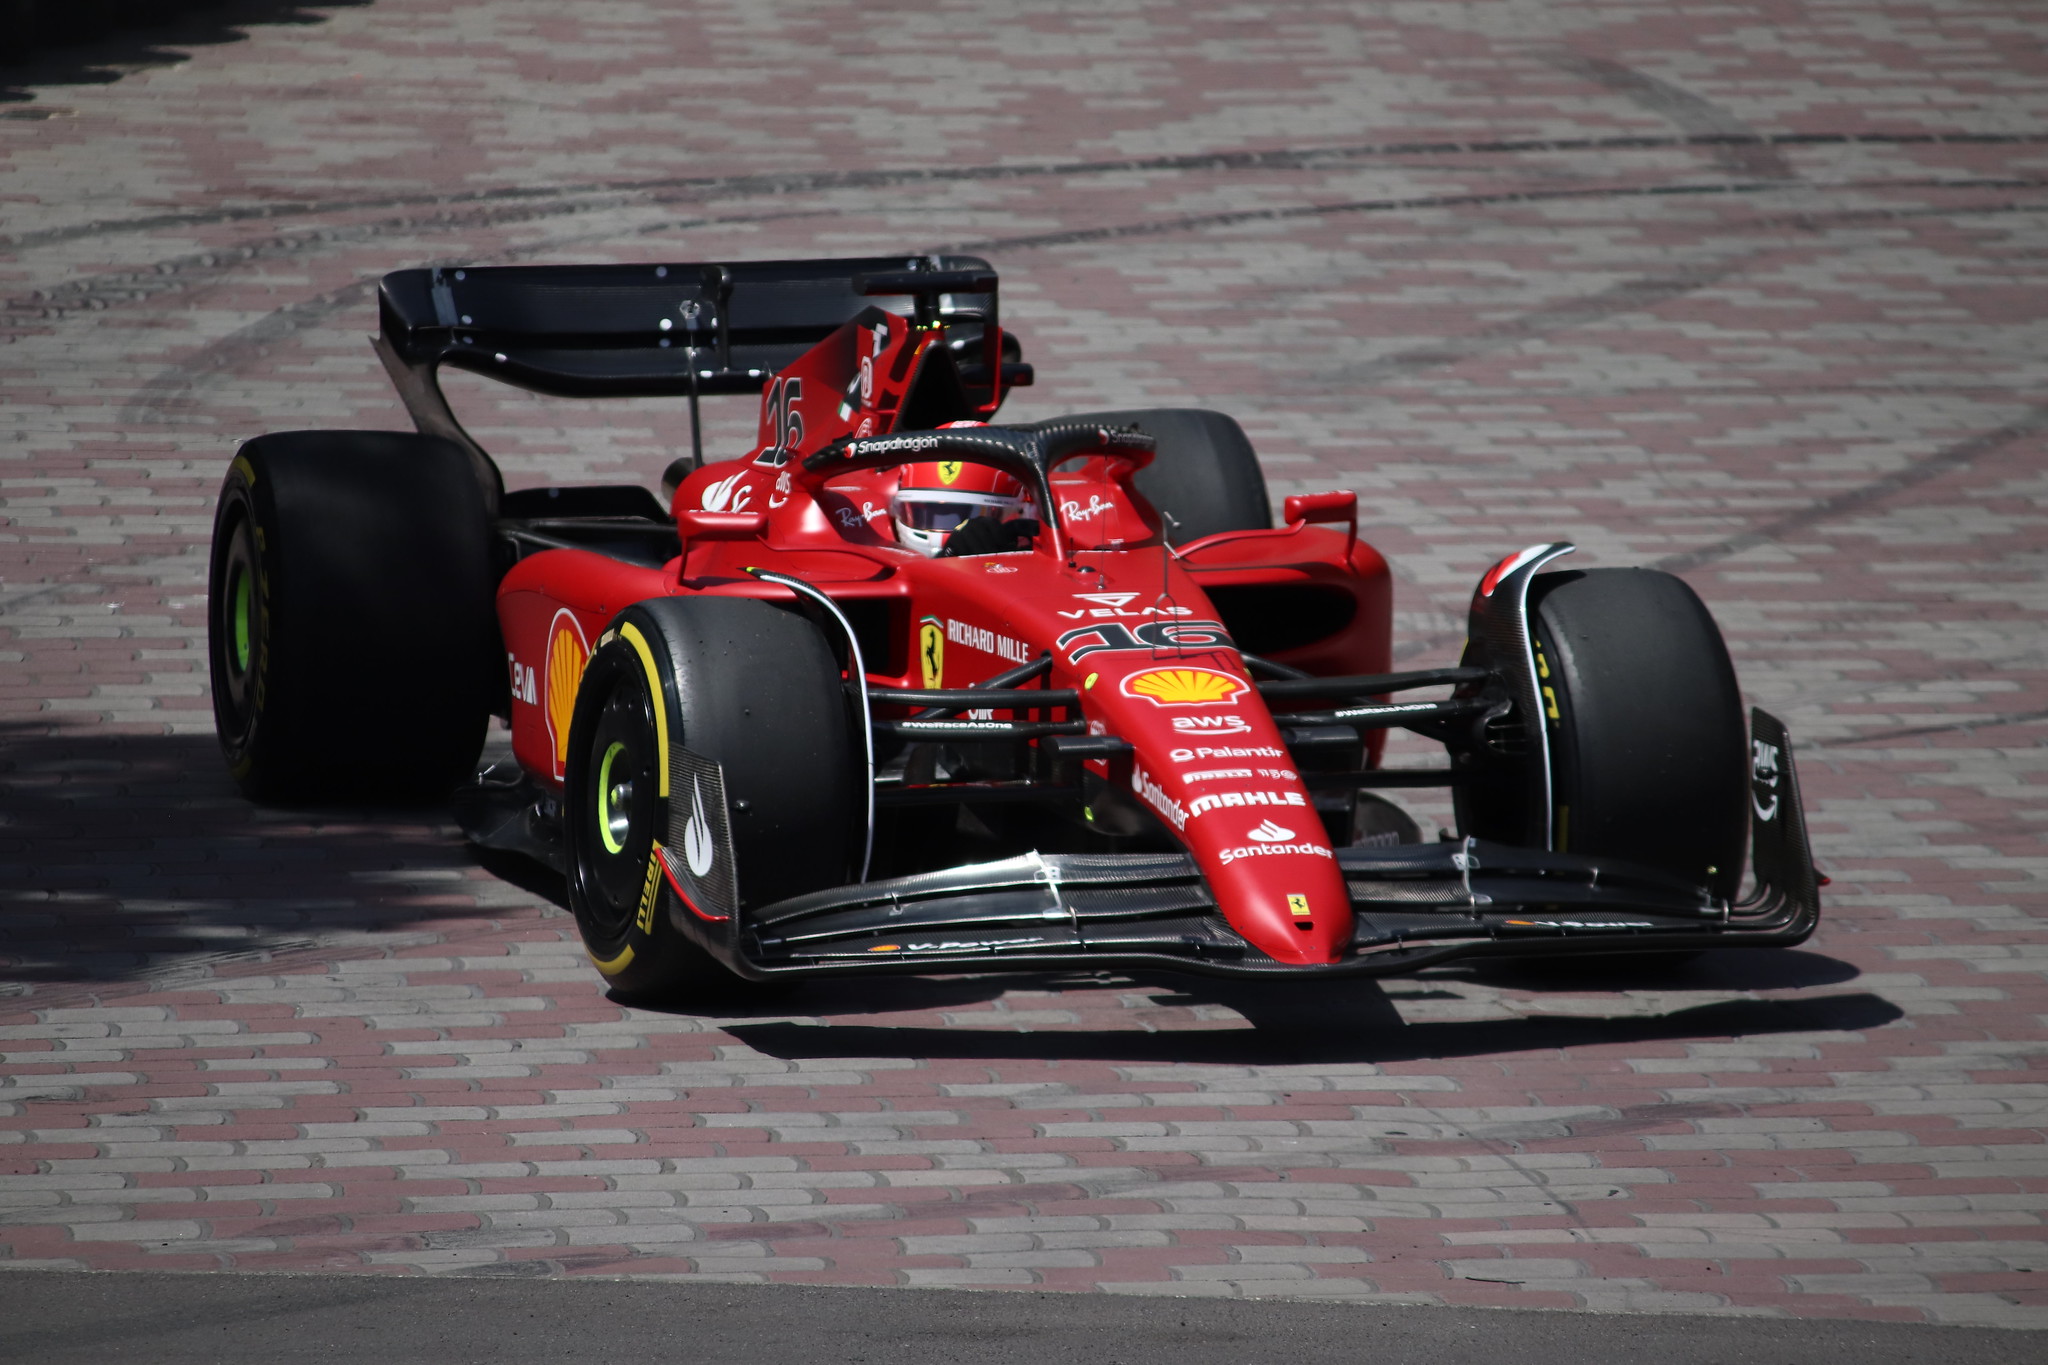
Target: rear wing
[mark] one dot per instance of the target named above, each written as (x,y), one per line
(592,331)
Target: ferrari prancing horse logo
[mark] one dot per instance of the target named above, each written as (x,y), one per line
(931,650)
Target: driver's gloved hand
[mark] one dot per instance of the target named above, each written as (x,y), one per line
(987,536)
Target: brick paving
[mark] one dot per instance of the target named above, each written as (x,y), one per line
(1755,292)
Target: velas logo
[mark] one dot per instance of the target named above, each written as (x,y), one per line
(1118,604)
(1270,833)
(1184,687)
(568,651)
(1212,725)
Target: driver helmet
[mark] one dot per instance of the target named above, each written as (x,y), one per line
(934,498)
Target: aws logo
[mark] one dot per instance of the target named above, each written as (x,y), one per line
(1212,725)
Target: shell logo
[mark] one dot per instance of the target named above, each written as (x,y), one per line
(1184,686)
(568,652)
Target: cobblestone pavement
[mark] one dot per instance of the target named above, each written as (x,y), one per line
(1751,291)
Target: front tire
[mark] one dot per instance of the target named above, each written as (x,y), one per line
(1645,727)
(350,624)
(743,684)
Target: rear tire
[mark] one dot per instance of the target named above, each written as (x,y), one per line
(1205,476)
(751,687)
(351,629)
(1649,746)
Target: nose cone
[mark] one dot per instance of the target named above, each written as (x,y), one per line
(1214,769)
(1278,885)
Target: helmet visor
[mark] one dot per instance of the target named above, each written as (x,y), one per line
(925,510)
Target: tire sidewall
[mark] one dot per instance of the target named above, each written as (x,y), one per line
(628,949)
(243,728)
(1648,746)
(375,636)
(740,682)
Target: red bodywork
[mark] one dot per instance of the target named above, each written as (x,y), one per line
(1129,623)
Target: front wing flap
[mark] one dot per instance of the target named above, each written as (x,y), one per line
(1414,905)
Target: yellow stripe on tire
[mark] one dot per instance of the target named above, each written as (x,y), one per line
(613,966)
(632,636)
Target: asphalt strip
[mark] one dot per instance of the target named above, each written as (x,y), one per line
(170,1319)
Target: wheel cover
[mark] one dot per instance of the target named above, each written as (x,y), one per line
(619,813)
(614,800)
(239,600)
(237,631)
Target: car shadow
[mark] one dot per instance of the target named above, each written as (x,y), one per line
(56,44)
(124,856)
(1286,1021)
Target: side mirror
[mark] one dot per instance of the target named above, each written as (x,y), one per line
(1308,507)
(699,525)
(1342,505)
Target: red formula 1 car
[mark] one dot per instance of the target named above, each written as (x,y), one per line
(903,688)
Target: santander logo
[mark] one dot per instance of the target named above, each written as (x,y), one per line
(1270,833)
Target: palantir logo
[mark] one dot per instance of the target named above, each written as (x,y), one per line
(1270,833)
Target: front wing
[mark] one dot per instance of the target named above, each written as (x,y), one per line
(1415,905)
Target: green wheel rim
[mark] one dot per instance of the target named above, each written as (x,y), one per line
(614,814)
(240,607)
